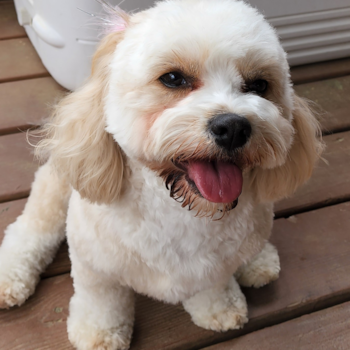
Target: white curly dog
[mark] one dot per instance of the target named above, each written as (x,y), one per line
(162,171)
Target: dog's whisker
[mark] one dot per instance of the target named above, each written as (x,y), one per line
(95,16)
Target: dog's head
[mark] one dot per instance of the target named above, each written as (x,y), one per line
(199,92)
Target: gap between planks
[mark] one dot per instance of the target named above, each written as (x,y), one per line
(9,26)
(329,203)
(322,330)
(19,61)
(25,104)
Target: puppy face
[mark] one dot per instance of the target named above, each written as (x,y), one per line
(199,92)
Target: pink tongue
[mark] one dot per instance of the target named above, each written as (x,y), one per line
(218,182)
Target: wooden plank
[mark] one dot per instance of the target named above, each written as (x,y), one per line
(313,277)
(19,60)
(41,322)
(330,182)
(60,265)
(17,167)
(333,98)
(8,214)
(321,70)
(9,27)
(323,330)
(24,104)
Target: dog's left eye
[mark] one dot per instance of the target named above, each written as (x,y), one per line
(258,86)
(173,80)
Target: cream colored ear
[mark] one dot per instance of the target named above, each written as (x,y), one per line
(76,140)
(274,184)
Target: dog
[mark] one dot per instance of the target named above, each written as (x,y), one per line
(162,171)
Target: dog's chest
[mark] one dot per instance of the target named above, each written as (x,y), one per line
(147,241)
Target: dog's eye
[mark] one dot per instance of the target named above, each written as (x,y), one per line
(173,80)
(258,86)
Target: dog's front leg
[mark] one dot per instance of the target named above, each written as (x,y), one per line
(220,308)
(101,311)
(30,243)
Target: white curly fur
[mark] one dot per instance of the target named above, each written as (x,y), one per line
(109,144)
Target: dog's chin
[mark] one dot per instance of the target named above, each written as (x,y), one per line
(211,187)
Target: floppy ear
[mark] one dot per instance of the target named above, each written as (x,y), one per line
(274,184)
(76,140)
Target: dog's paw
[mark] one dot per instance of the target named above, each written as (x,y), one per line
(88,337)
(262,270)
(219,309)
(223,320)
(14,292)
(17,281)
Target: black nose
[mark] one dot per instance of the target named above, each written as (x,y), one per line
(230,131)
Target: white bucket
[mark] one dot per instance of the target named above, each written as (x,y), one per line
(63,35)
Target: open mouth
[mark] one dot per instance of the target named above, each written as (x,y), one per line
(217,181)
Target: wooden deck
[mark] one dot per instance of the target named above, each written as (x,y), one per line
(307,308)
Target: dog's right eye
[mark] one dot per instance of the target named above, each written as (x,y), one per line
(173,80)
